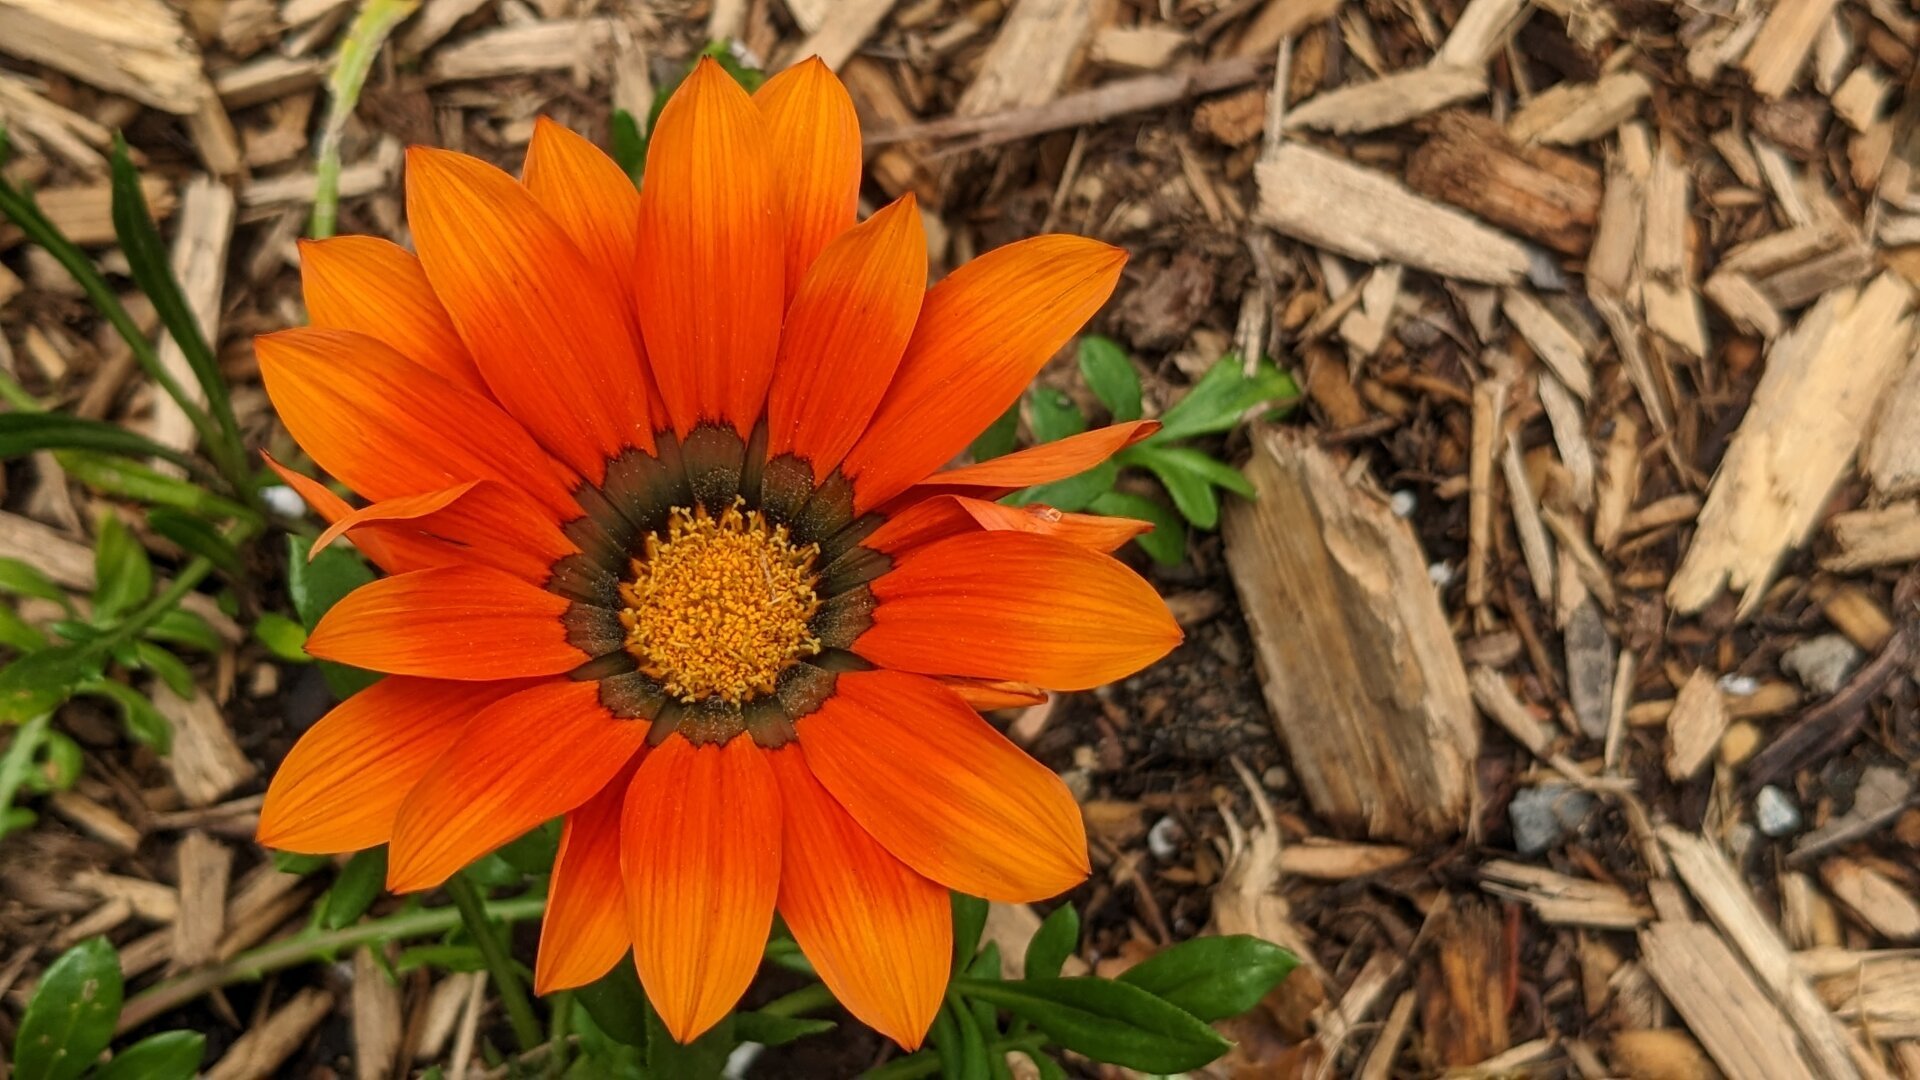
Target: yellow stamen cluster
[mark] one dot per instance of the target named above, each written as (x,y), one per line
(720,606)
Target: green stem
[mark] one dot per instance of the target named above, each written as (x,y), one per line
(301,948)
(801,1002)
(559,1031)
(493,952)
(927,1062)
(364,38)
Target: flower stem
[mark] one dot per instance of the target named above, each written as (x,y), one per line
(493,952)
(801,1002)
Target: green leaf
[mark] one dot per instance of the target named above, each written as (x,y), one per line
(967,1052)
(1167,543)
(1000,435)
(143,722)
(170,1055)
(1213,977)
(130,479)
(1076,492)
(355,889)
(1053,416)
(167,666)
(443,957)
(284,638)
(122,575)
(969,919)
(71,1017)
(58,766)
(1057,938)
(1111,377)
(318,585)
(629,145)
(39,682)
(23,433)
(152,268)
(1214,404)
(533,853)
(19,579)
(1192,495)
(705,1056)
(617,1004)
(196,536)
(1049,1069)
(777,1030)
(1114,1022)
(17,633)
(178,626)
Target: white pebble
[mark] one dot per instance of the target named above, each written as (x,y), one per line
(1739,685)
(1403,503)
(1775,812)
(1441,574)
(1163,840)
(284,501)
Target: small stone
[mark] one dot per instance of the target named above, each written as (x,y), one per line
(1163,840)
(1079,783)
(1275,779)
(1544,815)
(283,500)
(1822,663)
(1738,744)
(1739,685)
(1775,812)
(1404,503)
(1441,574)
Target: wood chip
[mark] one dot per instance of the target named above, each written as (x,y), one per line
(1571,113)
(1030,58)
(1780,48)
(149,900)
(1874,898)
(1482,28)
(378,1018)
(135,48)
(1279,20)
(206,762)
(204,864)
(1722,1005)
(1860,99)
(268,79)
(29,116)
(1149,47)
(1667,292)
(95,820)
(1388,101)
(1335,608)
(1560,900)
(845,27)
(1332,860)
(1883,536)
(1550,340)
(267,1045)
(1542,193)
(84,212)
(1892,455)
(1694,727)
(549,45)
(1324,200)
(199,261)
(1821,384)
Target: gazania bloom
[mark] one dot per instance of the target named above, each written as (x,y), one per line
(655,478)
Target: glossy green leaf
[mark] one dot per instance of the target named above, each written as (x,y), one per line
(1192,495)
(170,1055)
(123,577)
(769,1030)
(196,536)
(1057,938)
(1114,1022)
(57,765)
(1109,373)
(71,1017)
(1213,977)
(968,1049)
(617,1004)
(1166,543)
(288,862)
(1052,415)
(19,579)
(355,889)
(969,920)
(284,638)
(1214,404)
(318,585)
(1000,436)
(23,433)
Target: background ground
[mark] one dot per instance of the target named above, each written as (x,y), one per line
(1599,307)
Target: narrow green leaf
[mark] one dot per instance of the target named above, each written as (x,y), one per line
(23,433)
(355,889)
(152,269)
(617,1004)
(1057,938)
(130,479)
(1213,977)
(284,638)
(71,1017)
(1214,404)
(767,1030)
(1053,416)
(629,145)
(122,575)
(20,579)
(1166,544)
(178,626)
(999,437)
(17,633)
(170,1055)
(969,1050)
(39,682)
(143,722)
(196,536)
(1192,495)
(167,666)
(969,920)
(1109,373)
(315,587)
(1114,1022)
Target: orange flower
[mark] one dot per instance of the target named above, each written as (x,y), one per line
(655,478)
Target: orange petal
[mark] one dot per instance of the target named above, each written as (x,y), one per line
(589,196)
(1047,462)
(524,760)
(1002,605)
(983,334)
(944,791)
(815,137)
(987,695)
(449,622)
(376,287)
(710,288)
(879,934)
(700,851)
(480,522)
(844,336)
(947,515)
(584,932)
(341,785)
(396,555)
(387,426)
(550,334)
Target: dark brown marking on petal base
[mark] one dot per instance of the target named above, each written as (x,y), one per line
(827,511)
(854,567)
(595,631)
(843,618)
(580,578)
(767,722)
(600,668)
(714,459)
(785,486)
(634,695)
(803,689)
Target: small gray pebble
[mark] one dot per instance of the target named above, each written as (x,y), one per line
(1163,840)
(1544,815)
(1775,813)
(1822,663)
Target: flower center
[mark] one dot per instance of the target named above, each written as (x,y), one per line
(719,607)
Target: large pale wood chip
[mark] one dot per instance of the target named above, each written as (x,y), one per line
(1725,1009)
(1328,201)
(28,115)
(1557,346)
(379,1018)
(136,48)
(1823,381)
(1480,31)
(1667,293)
(1694,727)
(204,866)
(1881,536)
(1780,48)
(199,259)
(1570,113)
(845,27)
(84,212)
(1359,667)
(1030,59)
(552,45)
(1388,101)
(1892,456)
(268,78)
(1281,19)
(1534,190)
(1560,900)
(1876,899)
(268,1044)
(206,762)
